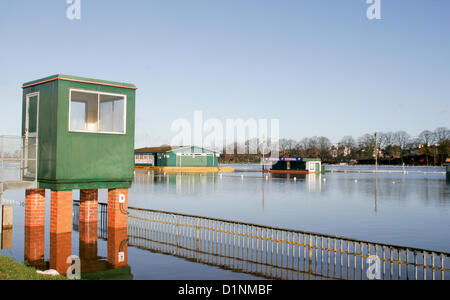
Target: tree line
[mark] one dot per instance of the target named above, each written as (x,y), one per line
(428,148)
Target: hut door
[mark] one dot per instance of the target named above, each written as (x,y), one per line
(31,134)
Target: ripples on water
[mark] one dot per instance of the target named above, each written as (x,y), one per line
(410,209)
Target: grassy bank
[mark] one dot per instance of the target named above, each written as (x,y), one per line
(10,270)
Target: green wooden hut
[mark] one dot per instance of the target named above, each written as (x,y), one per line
(84,129)
(188,156)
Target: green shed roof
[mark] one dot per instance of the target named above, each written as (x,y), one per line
(156,149)
(78,79)
(169,148)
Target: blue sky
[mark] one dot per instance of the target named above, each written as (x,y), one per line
(320,66)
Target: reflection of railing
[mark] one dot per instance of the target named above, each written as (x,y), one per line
(102,219)
(18,159)
(275,252)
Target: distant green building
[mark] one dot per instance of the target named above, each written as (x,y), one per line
(189,156)
(82,130)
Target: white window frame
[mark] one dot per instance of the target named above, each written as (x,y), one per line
(27,117)
(98,111)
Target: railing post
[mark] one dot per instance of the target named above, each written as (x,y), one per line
(425,257)
(198,235)
(433,265)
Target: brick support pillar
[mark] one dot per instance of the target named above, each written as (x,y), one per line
(60,230)
(61,212)
(60,250)
(88,206)
(88,224)
(35,208)
(35,227)
(35,246)
(118,247)
(88,241)
(117,212)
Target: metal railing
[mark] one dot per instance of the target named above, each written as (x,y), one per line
(275,253)
(18,159)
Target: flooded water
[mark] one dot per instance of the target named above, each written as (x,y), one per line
(410,209)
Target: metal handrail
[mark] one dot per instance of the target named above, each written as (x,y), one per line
(300,252)
(284,229)
(17,149)
(18,162)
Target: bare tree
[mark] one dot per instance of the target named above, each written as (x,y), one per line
(402,139)
(284,144)
(346,147)
(426,138)
(366,144)
(442,136)
(323,145)
(386,139)
(288,146)
(395,145)
(387,143)
(302,146)
(348,141)
(291,146)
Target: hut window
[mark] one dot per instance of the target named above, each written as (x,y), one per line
(112,113)
(84,112)
(78,115)
(97,112)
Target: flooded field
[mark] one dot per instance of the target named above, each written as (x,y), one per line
(410,209)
